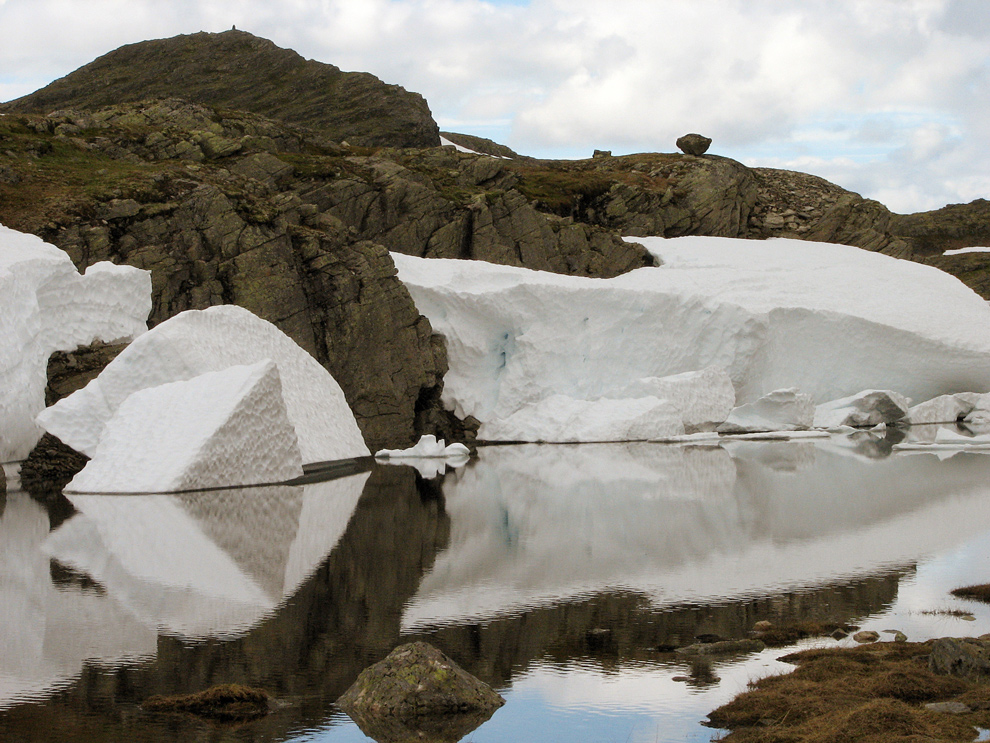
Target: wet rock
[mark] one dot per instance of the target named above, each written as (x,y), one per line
(49,467)
(418,679)
(968,657)
(839,634)
(723,647)
(693,144)
(866,636)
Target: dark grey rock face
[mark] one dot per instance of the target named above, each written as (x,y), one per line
(693,144)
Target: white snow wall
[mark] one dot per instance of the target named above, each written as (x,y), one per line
(47,306)
(828,319)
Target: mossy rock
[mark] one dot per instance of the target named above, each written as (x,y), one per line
(418,692)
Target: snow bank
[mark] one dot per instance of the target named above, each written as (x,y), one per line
(866,408)
(200,341)
(781,410)
(427,446)
(226,428)
(828,319)
(47,306)
(563,419)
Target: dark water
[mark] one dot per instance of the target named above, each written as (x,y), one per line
(561,575)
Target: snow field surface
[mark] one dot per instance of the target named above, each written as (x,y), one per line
(226,428)
(199,341)
(829,320)
(47,306)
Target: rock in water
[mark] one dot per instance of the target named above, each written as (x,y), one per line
(417,691)
(693,144)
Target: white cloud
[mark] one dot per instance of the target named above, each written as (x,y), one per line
(888,94)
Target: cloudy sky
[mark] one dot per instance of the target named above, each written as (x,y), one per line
(890,98)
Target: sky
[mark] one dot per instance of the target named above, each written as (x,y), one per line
(888,98)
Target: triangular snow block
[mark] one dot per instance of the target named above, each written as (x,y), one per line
(224,428)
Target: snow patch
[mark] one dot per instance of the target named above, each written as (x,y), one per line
(427,446)
(226,428)
(210,340)
(830,320)
(47,306)
(781,410)
(960,251)
(563,419)
(867,408)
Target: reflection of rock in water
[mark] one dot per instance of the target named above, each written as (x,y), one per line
(500,649)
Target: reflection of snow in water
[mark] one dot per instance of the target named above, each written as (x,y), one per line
(210,564)
(684,524)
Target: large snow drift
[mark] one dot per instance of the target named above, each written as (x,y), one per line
(220,429)
(200,341)
(829,320)
(47,306)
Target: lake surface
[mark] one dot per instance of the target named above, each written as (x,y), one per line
(561,575)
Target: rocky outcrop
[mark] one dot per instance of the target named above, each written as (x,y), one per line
(237,70)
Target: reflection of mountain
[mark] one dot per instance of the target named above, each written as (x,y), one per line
(681,524)
(207,564)
(343,616)
(609,507)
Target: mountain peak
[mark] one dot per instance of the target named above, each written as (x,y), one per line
(238,70)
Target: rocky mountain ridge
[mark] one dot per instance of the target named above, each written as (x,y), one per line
(228,206)
(238,70)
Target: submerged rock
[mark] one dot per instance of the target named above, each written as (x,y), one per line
(222,702)
(418,690)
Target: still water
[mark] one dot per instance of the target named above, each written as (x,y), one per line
(561,575)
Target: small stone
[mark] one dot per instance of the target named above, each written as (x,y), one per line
(693,144)
(866,636)
(762,626)
(951,708)
(839,634)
